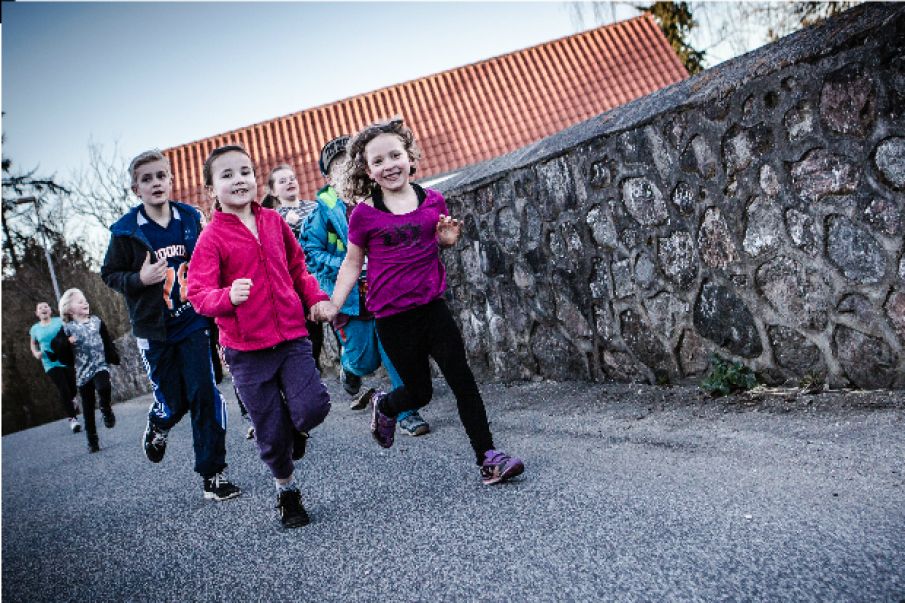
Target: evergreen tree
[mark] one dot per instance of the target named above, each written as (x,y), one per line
(676,22)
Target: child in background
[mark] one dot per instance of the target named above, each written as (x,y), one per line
(401,227)
(324,239)
(62,375)
(283,196)
(249,273)
(93,350)
(147,261)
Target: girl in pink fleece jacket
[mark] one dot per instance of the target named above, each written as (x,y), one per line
(249,273)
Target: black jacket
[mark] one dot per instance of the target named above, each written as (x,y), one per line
(61,350)
(125,255)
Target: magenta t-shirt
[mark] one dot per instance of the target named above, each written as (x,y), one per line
(404,267)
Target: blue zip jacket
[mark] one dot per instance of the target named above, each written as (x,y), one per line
(122,263)
(324,239)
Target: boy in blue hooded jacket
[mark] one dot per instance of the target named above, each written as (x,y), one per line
(324,239)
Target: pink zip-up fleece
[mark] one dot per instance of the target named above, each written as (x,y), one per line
(281,291)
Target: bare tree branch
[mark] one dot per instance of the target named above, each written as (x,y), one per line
(100,191)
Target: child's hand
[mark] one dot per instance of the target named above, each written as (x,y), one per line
(151,274)
(240,290)
(72,339)
(323,311)
(37,355)
(448,231)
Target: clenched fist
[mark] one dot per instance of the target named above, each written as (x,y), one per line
(240,290)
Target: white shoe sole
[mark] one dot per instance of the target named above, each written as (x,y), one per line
(213,496)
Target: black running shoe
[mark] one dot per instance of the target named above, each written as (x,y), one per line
(351,382)
(220,488)
(155,443)
(299,443)
(109,419)
(292,513)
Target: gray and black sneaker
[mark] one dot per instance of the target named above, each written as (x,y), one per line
(362,401)
(109,419)
(155,443)
(220,488)
(351,382)
(292,513)
(413,425)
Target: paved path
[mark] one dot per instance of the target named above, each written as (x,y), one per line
(631,493)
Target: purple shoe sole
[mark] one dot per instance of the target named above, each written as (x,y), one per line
(383,428)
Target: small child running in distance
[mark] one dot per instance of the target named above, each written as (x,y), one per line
(93,351)
(401,227)
(249,273)
(40,337)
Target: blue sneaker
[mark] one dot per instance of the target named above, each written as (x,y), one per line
(383,428)
(414,425)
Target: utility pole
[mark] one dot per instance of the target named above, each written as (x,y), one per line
(53,275)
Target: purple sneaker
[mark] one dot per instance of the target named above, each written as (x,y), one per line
(382,427)
(499,467)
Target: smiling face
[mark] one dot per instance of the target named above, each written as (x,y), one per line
(285,186)
(233,180)
(43,311)
(388,162)
(78,306)
(153,183)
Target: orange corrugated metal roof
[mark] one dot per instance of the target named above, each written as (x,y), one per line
(464,115)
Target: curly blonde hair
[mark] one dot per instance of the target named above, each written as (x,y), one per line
(356,183)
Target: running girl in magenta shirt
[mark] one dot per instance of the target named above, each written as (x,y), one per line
(400,227)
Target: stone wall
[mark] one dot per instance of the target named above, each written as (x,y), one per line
(129,379)
(754,211)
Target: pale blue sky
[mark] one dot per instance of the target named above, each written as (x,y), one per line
(162,74)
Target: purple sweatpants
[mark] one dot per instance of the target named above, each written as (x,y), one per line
(282,390)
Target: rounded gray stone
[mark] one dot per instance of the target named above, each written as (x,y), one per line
(644,201)
(890,161)
(855,251)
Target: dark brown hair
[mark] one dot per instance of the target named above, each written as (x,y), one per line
(207,172)
(356,182)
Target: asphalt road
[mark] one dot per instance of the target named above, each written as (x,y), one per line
(631,493)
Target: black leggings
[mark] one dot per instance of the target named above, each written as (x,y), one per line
(316,335)
(101,383)
(410,339)
(63,378)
